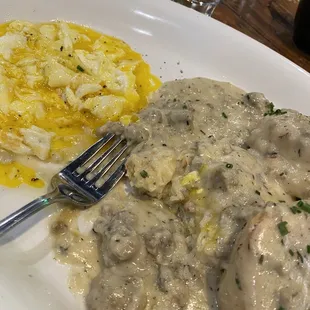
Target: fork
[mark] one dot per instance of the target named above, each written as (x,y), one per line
(81,182)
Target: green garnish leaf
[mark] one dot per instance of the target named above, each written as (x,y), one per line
(257,192)
(300,257)
(279,112)
(270,107)
(224,115)
(281,308)
(291,252)
(271,111)
(144,174)
(300,203)
(80,68)
(238,284)
(308,249)
(303,206)
(295,210)
(282,228)
(229,166)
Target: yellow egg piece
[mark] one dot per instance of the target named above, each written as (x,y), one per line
(190,178)
(59,82)
(14,174)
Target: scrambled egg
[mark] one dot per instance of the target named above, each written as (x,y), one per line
(190,179)
(60,81)
(15,174)
(206,218)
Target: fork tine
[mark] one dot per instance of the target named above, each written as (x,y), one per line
(90,152)
(106,168)
(100,159)
(68,185)
(113,179)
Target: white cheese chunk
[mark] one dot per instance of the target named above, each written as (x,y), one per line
(86,89)
(58,75)
(38,140)
(11,142)
(109,106)
(10,41)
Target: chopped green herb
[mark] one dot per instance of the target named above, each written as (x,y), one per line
(300,203)
(300,257)
(229,166)
(291,252)
(144,174)
(308,249)
(224,115)
(282,228)
(270,107)
(279,112)
(261,259)
(80,68)
(281,308)
(271,110)
(238,284)
(295,210)
(257,192)
(303,206)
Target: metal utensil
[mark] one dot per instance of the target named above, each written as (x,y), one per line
(81,182)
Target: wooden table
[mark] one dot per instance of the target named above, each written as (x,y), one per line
(267,21)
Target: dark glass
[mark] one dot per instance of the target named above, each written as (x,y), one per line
(302,26)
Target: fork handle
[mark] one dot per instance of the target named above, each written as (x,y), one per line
(29,209)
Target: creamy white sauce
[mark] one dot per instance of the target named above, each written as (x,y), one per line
(212,167)
(74,247)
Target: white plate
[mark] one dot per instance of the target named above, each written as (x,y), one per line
(167,34)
